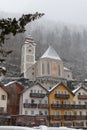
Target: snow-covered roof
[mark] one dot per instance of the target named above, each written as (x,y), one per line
(3,68)
(51,53)
(10,83)
(66,69)
(80,85)
(54,87)
(75,90)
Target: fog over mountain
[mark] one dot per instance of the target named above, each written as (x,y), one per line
(68,40)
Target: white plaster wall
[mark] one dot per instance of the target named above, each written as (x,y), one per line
(3,103)
(26,95)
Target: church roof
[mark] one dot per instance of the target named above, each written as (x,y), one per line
(51,53)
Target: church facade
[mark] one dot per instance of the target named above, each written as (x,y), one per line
(48,69)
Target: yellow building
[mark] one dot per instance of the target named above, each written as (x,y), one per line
(61,109)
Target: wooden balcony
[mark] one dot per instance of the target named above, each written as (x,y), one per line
(80,106)
(37,95)
(30,105)
(68,117)
(55,105)
(69,106)
(62,96)
(43,106)
(82,97)
(55,117)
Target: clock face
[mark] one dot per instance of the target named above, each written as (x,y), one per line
(30,49)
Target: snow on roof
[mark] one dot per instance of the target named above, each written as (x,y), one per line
(85,80)
(75,90)
(10,83)
(51,53)
(66,68)
(54,87)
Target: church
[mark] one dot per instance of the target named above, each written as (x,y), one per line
(49,69)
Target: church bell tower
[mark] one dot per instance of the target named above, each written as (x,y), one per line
(27,55)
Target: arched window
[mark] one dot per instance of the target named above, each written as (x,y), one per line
(59,70)
(43,69)
(48,68)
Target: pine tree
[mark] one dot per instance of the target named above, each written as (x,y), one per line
(14,26)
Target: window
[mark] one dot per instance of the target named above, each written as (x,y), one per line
(32,112)
(41,91)
(3,97)
(34,91)
(59,70)
(58,112)
(31,91)
(75,113)
(26,100)
(68,76)
(55,91)
(32,100)
(45,101)
(58,101)
(53,112)
(64,102)
(80,113)
(58,92)
(40,101)
(26,112)
(1,109)
(86,113)
(79,102)
(43,68)
(48,68)
(65,113)
(45,112)
(53,102)
(74,102)
(70,112)
(40,113)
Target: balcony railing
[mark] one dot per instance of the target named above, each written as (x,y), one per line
(71,106)
(68,117)
(34,105)
(82,97)
(37,95)
(43,106)
(54,117)
(62,95)
(30,105)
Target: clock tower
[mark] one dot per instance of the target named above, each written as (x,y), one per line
(27,55)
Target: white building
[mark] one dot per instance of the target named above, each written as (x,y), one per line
(27,55)
(34,101)
(48,68)
(80,103)
(3,99)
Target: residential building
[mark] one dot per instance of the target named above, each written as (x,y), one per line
(13,88)
(80,106)
(3,99)
(60,100)
(34,102)
(4,116)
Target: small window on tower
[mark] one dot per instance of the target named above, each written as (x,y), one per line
(29,50)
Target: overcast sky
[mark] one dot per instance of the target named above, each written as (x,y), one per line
(69,11)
